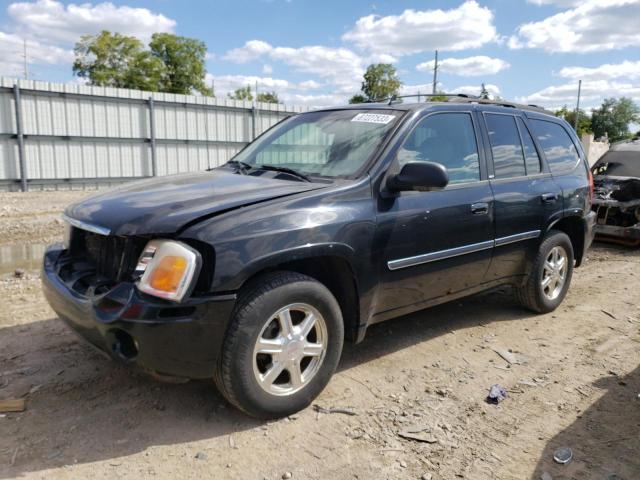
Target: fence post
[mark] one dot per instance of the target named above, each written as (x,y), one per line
(20,138)
(152,137)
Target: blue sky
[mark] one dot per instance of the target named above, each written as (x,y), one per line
(314,52)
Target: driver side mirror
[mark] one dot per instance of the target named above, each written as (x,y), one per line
(420,176)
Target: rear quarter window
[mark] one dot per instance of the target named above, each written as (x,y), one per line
(561,152)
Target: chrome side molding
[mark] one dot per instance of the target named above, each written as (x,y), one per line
(518,237)
(439,255)
(464,250)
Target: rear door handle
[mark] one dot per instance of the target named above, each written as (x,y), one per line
(549,197)
(480,208)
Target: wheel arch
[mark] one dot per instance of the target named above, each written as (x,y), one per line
(573,226)
(330,265)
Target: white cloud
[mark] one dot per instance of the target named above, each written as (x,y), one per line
(267,69)
(627,69)
(309,85)
(422,88)
(341,66)
(12,51)
(559,3)
(228,83)
(427,88)
(415,31)
(469,66)
(493,90)
(286,90)
(592,93)
(290,93)
(51,21)
(594,25)
(251,50)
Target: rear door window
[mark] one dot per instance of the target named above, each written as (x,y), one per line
(508,160)
(531,157)
(562,155)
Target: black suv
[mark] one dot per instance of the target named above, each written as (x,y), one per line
(255,272)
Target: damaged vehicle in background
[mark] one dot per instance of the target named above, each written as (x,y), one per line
(617,194)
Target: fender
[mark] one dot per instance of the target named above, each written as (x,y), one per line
(334,249)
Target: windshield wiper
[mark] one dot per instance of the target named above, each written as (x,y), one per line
(242,167)
(290,171)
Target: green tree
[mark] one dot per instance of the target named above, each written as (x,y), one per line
(438,97)
(358,98)
(380,81)
(184,61)
(242,93)
(584,120)
(268,97)
(171,64)
(115,60)
(613,118)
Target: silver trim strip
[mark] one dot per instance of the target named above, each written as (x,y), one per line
(439,255)
(455,252)
(86,226)
(518,237)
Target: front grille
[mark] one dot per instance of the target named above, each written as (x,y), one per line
(113,258)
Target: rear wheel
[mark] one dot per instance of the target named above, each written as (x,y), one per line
(282,346)
(550,277)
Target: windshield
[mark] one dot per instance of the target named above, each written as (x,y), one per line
(330,144)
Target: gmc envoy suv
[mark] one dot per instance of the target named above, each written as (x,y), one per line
(255,272)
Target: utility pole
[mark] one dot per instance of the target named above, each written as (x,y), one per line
(435,73)
(575,126)
(26,71)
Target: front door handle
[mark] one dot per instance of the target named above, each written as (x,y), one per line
(549,197)
(481,208)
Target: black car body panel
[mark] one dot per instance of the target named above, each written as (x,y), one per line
(164,205)
(382,253)
(617,194)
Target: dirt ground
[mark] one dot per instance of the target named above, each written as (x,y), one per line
(575,383)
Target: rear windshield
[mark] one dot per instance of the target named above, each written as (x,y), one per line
(329,144)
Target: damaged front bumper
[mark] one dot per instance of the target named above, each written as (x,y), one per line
(161,337)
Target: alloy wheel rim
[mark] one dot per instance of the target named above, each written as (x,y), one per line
(554,272)
(290,349)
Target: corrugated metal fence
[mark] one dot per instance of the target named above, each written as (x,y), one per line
(71,136)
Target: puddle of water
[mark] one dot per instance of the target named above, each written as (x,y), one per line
(28,257)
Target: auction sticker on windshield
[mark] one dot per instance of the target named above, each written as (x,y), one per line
(373,118)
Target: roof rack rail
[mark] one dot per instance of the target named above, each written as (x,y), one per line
(394,98)
(464,98)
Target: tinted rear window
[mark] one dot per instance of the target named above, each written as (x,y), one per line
(562,155)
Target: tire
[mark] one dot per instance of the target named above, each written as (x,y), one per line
(532,294)
(246,377)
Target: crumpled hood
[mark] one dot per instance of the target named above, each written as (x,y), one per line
(164,205)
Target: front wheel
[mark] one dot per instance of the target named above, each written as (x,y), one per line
(550,277)
(282,347)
